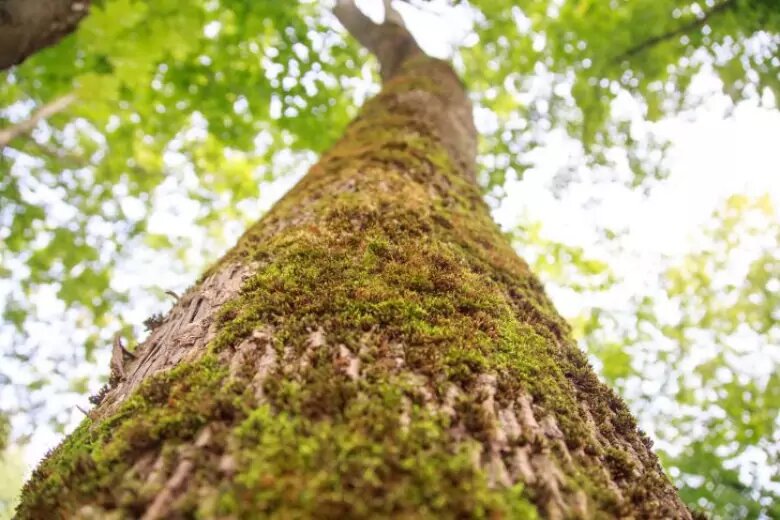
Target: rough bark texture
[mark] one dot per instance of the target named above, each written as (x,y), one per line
(27,26)
(372,348)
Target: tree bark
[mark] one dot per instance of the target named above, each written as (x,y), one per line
(27,26)
(372,347)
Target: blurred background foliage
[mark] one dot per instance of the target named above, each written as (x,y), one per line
(182,121)
(698,358)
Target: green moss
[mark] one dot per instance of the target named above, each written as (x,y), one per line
(360,463)
(619,464)
(95,460)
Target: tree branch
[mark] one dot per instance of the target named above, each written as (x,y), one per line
(46,111)
(360,26)
(391,15)
(693,25)
(391,42)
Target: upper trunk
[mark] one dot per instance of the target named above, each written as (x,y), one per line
(372,347)
(27,26)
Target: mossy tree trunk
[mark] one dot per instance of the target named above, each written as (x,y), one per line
(373,347)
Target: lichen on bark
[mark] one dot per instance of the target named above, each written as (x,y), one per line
(372,347)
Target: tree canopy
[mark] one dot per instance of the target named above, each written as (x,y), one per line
(196,110)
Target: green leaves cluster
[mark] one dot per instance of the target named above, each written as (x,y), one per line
(203,82)
(201,96)
(729,325)
(547,65)
(697,359)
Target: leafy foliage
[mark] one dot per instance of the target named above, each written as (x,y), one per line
(697,359)
(11,478)
(198,104)
(145,91)
(571,64)
(208,113)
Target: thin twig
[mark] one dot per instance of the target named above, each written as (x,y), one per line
(695,24)
(46,111)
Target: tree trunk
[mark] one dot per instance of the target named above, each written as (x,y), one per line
(27,26)
(373,347)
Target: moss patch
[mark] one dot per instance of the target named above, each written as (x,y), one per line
(96,460)
(361,463)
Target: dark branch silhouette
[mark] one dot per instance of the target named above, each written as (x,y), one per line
(685,29)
